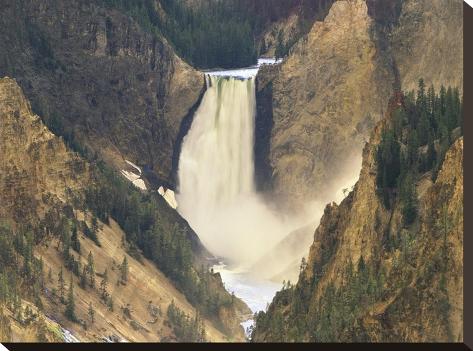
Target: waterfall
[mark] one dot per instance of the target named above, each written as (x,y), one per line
(216,190)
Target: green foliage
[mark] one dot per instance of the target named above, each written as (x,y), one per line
(408,198)
(124,271)
(412,145)
(91,233)
(70,304)
(91,313)
(186,328)
(75,244)
(90,269)
(415,142)
(389,164)
(150,226)
(211,34)
(61,286)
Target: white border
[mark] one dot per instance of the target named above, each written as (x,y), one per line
(3,348)
(469,2)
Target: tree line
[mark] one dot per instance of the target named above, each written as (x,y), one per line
(413,144)
(420,132)
(209,34)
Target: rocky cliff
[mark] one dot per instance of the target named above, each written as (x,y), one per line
(42,187)
(316,110)
(99,79)
(371,277)
(35,164)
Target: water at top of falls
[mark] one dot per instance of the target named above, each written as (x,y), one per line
(216,191)
(244,73)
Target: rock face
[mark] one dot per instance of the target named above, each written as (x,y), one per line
(95,74)
(316,110)
(34,163)
(39,179)
(421,282)
(427,42)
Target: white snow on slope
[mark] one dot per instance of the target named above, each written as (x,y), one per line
(134,178)
(169,196)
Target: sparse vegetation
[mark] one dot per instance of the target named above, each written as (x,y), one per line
(376,298)
(186,328)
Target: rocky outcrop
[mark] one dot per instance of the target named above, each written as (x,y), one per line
(427,43)
(325,98)
(35,165)
(414,290)
(43,181)
(316,110)
(97,77)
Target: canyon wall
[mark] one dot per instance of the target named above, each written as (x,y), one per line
(43,184)
(370,277)
(99,79)
(316,110)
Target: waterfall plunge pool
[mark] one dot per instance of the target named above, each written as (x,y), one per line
(257,293)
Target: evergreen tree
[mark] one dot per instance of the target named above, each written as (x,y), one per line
(83,278)
(431,153)
(91,313)
(75,244)
(124,270)
(61,286)
(110,304)
(408,199)
(103,285)
(412,149)
(70,305)
(91,269)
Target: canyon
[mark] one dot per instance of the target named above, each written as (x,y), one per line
(104,124)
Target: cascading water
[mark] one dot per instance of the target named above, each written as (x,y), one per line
(216,190)
(216,174)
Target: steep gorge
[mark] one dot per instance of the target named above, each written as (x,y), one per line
(99,79)
(43,185)
(370,276)
(317,109)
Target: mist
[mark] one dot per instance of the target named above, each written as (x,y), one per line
(216,188)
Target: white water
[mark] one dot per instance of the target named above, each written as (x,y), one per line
(216,192)
(256,292)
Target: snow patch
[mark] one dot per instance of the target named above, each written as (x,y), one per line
(68,337)
(134,166)
(169,196)
(134,178)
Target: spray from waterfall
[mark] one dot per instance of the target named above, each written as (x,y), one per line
(216,175)
(216,189)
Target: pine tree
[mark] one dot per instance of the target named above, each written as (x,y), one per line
(110,304)
(431,153)
(103,285)
(421,98)
(95,225)
(83,278)
(75,244)
(91,269)
(408,199)
(61,287)
(412,149)
(91,313)
(279,51)
(70,305)
(124,271)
